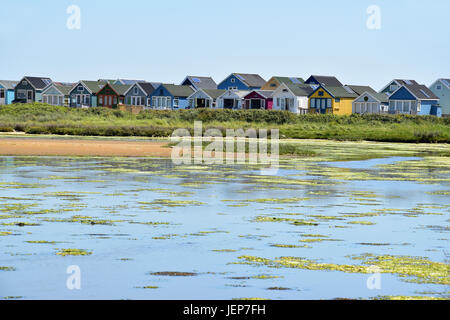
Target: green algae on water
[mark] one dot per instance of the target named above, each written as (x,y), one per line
(73,252)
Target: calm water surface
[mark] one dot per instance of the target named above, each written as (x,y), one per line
(138,217)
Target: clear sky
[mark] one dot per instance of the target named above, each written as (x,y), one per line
(165,40)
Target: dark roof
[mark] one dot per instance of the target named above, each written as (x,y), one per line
(340,92)
(359,90)
(326,81)
(93,86)
(421,92)
(8,84)
(120,89)
(202,82)
(300,90)
(39,83)
(149,87)
(214,93)
(251,80)
(179,91)
(406,82)
(292,80)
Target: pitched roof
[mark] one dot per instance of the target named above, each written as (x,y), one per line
(399,82)
(263,93)
(327,80)
(251,80)
(420,91)
(8,84)
(300,90)
(359,90)
(240,93)
(38,83)
(120,89)
(214,93)
(127,81)
(178,90)
(292,80)
(340,92)
(64,88)
(93,86)
(148,87)
(202,82)
(382,97)
(403,81)
(446,82)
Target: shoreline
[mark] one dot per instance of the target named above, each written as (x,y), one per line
(45,146)
(112,146)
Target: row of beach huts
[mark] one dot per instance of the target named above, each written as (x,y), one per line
(318,94)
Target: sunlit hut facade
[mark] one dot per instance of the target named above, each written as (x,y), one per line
(112,94)
(335,100)
(204,98)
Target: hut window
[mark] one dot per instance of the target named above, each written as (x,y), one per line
(80,88)
(338,100)
(135,90)
(313,103)
(438,87)
(329,103)
(176,102)
(2,93)
(24,83)
(320,93)
(406,106)
(233,80)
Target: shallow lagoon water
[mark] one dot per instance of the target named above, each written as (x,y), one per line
(140,219)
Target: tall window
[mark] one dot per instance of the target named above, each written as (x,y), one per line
(2,93)
(313,103)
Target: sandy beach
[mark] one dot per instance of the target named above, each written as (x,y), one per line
(79,147)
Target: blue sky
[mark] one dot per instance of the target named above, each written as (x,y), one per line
(166,40)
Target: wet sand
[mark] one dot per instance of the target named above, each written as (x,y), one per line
(78,147)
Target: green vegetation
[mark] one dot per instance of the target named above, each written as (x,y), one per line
(44,119)
(409,269)
(73,252)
